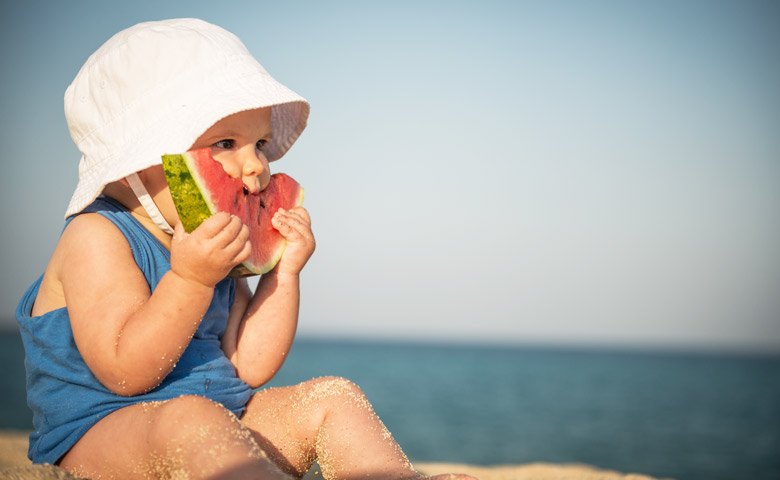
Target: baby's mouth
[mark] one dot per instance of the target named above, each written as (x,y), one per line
(246,192)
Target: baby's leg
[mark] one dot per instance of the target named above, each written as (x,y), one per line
(328,420)
(187,437)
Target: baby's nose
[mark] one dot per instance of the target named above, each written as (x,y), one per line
(255,164)
(256,172)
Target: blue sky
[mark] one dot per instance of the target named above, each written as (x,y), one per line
(603,172)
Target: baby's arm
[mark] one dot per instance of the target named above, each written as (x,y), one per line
(261,328)
(130,337)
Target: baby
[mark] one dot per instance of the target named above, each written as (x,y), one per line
(142,355)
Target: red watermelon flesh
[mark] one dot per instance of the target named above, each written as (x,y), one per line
(200,187)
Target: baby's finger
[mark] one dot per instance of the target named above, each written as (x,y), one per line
(302,213)
(299,217)
(292,228)
(213,225)
(289,217)
(178,232)
(237,246)
(230,232)
(278,221)
(243,254)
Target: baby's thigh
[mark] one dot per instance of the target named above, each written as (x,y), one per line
(148,439)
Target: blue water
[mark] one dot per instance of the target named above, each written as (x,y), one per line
(689,417)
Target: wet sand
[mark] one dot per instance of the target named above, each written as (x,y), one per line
(14,465)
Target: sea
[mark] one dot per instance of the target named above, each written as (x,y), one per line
(668,414)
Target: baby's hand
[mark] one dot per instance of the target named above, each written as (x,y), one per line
(295,226)
(209,253)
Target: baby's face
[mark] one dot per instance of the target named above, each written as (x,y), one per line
(237,143)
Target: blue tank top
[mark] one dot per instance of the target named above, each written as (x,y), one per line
(64,395)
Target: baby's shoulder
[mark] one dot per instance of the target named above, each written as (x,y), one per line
(90,229)
(87,240)
(87,237)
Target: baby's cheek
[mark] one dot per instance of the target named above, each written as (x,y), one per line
(229,167)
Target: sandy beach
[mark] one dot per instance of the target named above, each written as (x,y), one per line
(14,465)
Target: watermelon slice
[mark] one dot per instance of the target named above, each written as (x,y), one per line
(200,187)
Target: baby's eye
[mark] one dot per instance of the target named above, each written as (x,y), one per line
(226,144)
(261,144)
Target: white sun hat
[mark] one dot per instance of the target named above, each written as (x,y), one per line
(154,88)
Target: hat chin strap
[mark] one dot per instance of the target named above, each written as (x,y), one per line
(146,201)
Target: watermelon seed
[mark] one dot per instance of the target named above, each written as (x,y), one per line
(262,204)
(246,190)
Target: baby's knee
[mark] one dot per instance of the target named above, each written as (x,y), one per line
(326,390)
(332,386)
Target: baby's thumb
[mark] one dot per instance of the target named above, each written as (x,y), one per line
(178,232)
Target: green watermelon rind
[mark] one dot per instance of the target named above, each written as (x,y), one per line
(192,207)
